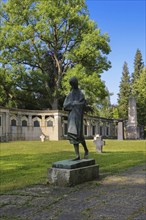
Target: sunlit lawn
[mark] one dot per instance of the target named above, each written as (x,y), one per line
(26,162)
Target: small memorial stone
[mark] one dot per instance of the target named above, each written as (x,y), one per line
(98,141)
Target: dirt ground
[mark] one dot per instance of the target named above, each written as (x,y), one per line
(118,197)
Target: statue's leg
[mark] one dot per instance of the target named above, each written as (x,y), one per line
(86,154)
(76,147)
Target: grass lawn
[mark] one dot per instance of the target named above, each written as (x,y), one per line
(25,163)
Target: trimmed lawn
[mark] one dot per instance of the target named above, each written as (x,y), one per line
(25,163)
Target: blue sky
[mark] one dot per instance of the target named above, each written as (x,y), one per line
(124,21)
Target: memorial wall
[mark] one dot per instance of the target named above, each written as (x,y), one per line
(20,124)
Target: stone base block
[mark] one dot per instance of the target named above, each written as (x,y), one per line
(132,133)
(71,177)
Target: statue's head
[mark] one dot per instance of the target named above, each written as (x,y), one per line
(74,82)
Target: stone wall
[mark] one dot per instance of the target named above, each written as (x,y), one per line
(19,124)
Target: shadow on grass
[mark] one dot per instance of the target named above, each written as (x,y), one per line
(115,162)
(21,170)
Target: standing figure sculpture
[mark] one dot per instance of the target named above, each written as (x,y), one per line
(75,104)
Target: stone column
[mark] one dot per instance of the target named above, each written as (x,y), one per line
(120,130)
(98,127)
(19,126)
(104,128)
(57,126)
(89,127)
(29,120)
(131,131)
(43,121)
(29,132)
(109,134)
(7,126)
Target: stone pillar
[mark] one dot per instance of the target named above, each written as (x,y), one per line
(104,129)
(29,132)
(19,126)
(43,121)
(97,127)
(7,126)
(120,130)
(89,130)
(57,126)
(29,120)
(131,131)
(109,128)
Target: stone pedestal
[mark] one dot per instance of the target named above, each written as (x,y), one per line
(132,132)
(70,173)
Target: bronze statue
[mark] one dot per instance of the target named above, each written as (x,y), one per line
(75,104)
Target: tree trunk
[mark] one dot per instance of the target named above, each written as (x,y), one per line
(55,104)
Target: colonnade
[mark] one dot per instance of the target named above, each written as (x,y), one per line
(19,124)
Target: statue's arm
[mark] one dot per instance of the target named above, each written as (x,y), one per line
(67,105)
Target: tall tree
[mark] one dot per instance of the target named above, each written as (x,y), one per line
(139,87)
(45,42)
(124,92)
(138,84)
(138,65)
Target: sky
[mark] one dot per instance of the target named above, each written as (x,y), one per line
(125,23)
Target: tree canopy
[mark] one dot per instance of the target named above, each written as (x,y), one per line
(43,44)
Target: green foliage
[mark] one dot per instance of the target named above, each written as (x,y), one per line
(7,88)
(44,41)
(107,110)
(135,87)
(138,66)
(124,93)
(25,163)
(139,86)
(115,112)
(91,85)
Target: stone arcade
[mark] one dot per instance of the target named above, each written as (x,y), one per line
(19,124)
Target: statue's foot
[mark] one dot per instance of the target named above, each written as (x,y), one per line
(77,158)
(86,155)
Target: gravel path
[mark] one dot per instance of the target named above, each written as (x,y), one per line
(118,197)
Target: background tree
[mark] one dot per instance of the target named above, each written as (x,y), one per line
(44,43)
(7,88)
(124,92)
(106,110)
(139,87)
(115,112)
(138,67)
(138,84)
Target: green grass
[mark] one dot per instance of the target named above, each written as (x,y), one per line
(25,163)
